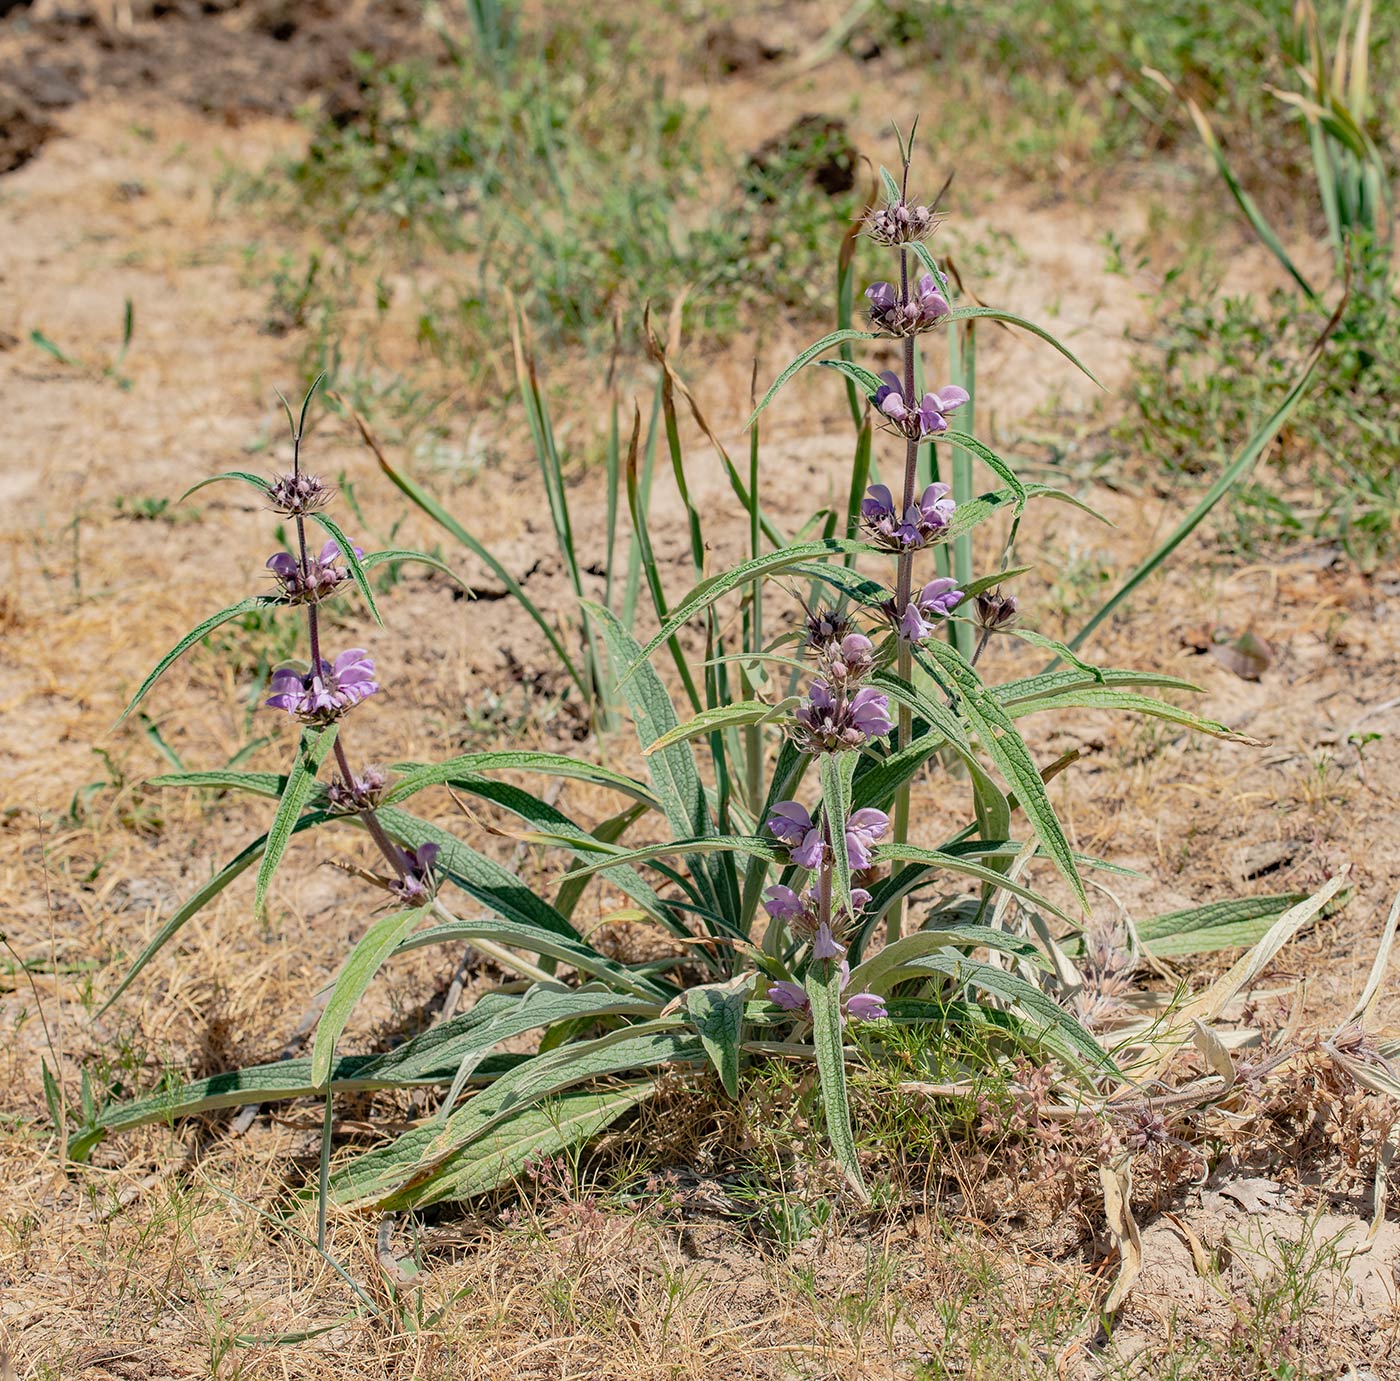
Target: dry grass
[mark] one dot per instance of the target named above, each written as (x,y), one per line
(162,1260)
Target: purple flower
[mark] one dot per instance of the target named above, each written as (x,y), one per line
(927,419)
(860,899)
(791,997)
(863,829)
(323,695)
(792,826)
(323,576)
(824,944)
(417,884)
(936,600)
(897,316)
(783,904)
(921,523)
(829,723)
(850,659)
(865,1007)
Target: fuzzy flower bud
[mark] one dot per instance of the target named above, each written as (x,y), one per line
(899,223)
(323,695)
(359,793)
(417,884)
(995,610)
(295,495)
(323,576)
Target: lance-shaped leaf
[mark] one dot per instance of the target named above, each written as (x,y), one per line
(967,867)
(315,745)
(733,716)
(717,1011)
(1106,698)
(366,959)
(1008,750)
(392,1174)
(418,776)
(710,844)
(1028,635)
(986,582)
(243,476)
(823,986)
(534,940)
(882,971)
(812,352)
(1050,683)
(271,784)
(1011,319)
(1239,921)
(990,459)
(858,374)
(352,562)
(837,769)
(395,556)
(716,587)
(1053,1026)
(477,875)
(201,898)
(563,1121)
(244,606)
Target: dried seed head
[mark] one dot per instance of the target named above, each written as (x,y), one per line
(994,609)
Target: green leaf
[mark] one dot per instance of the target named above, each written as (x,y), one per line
(826,343)
(953,863)
(1011,319)
(244,606)
(837,770)
(986,582)
(257,481)
(881,972)
(823,985)
(201,898)
(858,374)
(1008,750)
(392,1175)
(315,745)
(1029,689)
(706,844)
(271,784)
(417,776)
(1064,654)
(394,556)
(756,568)
(730,716)
(1056,1028)
(365,960)
(480,877)
(990,459)
(352,562)
(1105,698)
(717,1010)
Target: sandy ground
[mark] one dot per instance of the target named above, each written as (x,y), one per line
(127,1271)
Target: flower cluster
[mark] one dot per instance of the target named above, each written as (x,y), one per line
(792,997)
(830,721)
(322,577)
(298,494)
(362,792)
(322,694)
(417,884)
(936,600)
(792,826)
(899,315)
(995,610)
(899,223)
(928,419)
(922,522)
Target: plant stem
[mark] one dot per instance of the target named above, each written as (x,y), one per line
(904,588)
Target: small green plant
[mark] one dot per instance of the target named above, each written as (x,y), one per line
(113,368)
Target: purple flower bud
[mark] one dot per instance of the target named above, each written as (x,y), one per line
(833,724)
(824,944)
(850,659)
(791,997)
(325,694)
(359,793)
(936,600)
(904,316)
(860,898)
(899,223)
(295,495)
(322,577)
(417,884)
(866,1007)
(863,830)
(995,610)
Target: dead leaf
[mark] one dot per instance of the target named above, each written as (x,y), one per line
(1248,656)
(1117,1182)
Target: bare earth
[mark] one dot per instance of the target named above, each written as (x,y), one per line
(151,1262)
